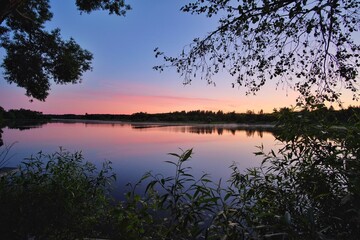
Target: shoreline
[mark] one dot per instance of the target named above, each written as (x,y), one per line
(169,124)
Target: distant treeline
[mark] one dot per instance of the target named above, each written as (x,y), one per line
(183,116)
(21,117)
(329,115)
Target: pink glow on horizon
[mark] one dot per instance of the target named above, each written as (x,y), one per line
(128,104)
(128,98)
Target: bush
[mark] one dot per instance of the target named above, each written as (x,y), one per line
(310,189)
(54,197)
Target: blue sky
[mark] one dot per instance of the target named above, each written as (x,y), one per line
(123,81)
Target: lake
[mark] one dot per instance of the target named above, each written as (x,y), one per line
(135,148)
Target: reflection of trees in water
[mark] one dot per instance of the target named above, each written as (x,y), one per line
(26,125)
(20,125)
(202,130)
(251,132)
(219,130)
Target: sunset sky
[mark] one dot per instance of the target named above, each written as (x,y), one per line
(123,81)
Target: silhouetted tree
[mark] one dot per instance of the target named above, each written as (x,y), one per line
(308,45)
(2,113)
(34,56)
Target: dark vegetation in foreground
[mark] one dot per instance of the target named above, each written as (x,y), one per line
(309,189)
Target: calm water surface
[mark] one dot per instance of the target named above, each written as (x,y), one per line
(135,149)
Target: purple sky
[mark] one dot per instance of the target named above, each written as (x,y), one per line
(123,81)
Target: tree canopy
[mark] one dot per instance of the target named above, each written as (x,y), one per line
(307,45)
(35,56)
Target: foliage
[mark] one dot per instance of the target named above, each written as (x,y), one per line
(2,111)
(316,113)
(5,153)
(183,204)
(310,189)
(22,114)
(320,113)
(205,117)
(21,119)
(53,197)
(308,45)
(35,55)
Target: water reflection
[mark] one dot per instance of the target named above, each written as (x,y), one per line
(20,125)
(219,129)
(137,148)
(250,130)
